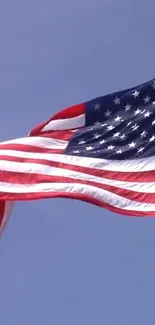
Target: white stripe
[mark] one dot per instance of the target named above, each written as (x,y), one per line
(102,195)
(65,124)
(49,143)
(137,165)
(36,168)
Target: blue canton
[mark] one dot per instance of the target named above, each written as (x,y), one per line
(118,126)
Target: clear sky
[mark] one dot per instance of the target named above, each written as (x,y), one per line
(66,262)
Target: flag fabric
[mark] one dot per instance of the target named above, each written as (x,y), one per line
(6,208)
(101,151)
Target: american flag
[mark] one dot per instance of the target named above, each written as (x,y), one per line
(101,151)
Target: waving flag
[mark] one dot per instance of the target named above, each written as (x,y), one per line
(101,152)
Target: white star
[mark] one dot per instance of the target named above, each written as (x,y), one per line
(118,118)
(76,151)
(110,127)
(141,149)
(97,124)
(111,147)
(152,139)
(82,142)
(153,103)
(116,134)
(127,107)
(135,127)
(102,141)
(137,111)
(147,99)
(153,84)
(89,148)
(117,101)
(107,113)
(147,114)
(132,144)
(97,135)
(123,136)
(153,122)
(97,106)
(143,134)
(136,93)
(119,151)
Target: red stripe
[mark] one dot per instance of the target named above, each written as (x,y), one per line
(66,113)
(148,176)
(77,196)
(69,112)
(30,178)
(27,148)
(60,135)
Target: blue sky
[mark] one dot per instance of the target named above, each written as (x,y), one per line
(61,261)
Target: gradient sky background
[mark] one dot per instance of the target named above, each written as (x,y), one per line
(66,262)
